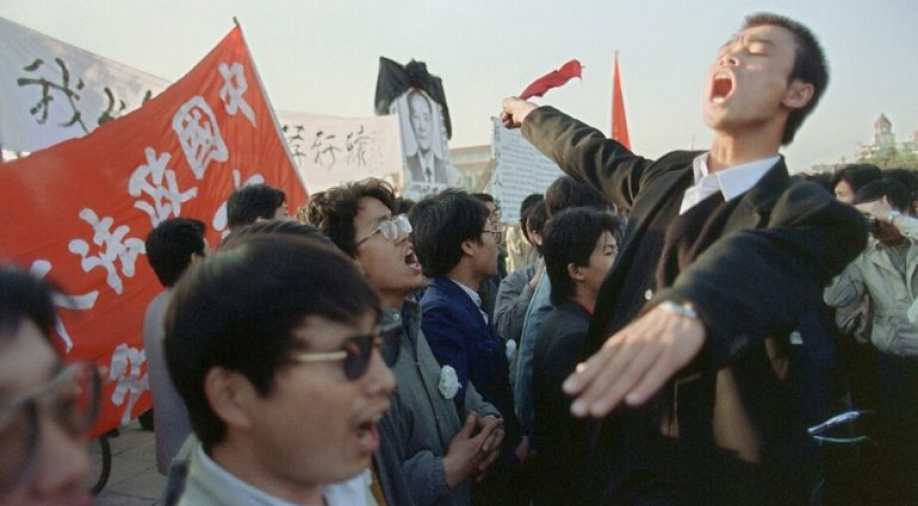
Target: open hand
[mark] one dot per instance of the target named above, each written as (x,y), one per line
(635,362)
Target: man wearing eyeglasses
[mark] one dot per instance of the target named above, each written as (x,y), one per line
(274,345)
(46,408)
(458,246)
(428,456)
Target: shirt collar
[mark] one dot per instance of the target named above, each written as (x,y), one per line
(471,293)
(252,495)
(336,494)
(732,181)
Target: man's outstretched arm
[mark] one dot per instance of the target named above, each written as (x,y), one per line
(745,287)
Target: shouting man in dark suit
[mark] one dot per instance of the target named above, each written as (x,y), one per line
(723,257)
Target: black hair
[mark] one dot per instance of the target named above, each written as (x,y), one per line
(857,175)
(570,238)
(335,214)
(441,224)
(525,207)
(170,246)
(238,310)
(251,202)
(403,205)
(810,65)
(287,227)
(484,197)
(567,192)
(823,179)
(312,215)
(537,217)
(895,192)
(908,177)
(24,297)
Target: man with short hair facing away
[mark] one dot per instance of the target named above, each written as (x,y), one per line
(579,247)
(458,247)
(274,345)
(46,407)
(171,247)
(722,260)
(254,202)
(429,455)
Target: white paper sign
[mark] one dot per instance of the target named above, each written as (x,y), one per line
(329,150)
(51,91)
(520,170)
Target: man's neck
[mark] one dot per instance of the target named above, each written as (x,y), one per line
(393,300)
(243,465)
(732,149)
(584,298)
(466,275)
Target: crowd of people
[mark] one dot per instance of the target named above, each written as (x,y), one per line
(678,331)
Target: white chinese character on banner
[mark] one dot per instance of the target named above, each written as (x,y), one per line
(40,268)
(113,246)
(159,183)
(234,86)
(199,135)
(125,371)
(220,219)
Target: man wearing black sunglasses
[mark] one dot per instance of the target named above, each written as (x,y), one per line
(428,456)
(46,408)
(272,344)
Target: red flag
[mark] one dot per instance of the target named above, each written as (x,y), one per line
(553,79)
(619,123)
(79,211)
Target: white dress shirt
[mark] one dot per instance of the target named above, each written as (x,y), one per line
(731,182)
(475,298)
(355,491)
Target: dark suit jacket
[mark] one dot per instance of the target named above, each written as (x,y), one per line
(460,337)
(751,287)
(556,354)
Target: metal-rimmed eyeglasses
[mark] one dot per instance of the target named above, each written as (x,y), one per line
(71,399)
(391,228)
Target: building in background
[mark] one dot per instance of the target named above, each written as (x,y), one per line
(475,165)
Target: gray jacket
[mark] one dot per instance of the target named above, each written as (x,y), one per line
(892,295)
(422,422)
(513,298)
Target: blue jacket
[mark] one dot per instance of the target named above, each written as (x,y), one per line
(461,338)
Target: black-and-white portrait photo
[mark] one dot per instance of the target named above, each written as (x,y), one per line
(423,140)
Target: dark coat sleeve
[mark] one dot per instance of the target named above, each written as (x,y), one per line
(757,283)
(586,154)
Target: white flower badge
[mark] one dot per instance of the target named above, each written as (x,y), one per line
(449,382)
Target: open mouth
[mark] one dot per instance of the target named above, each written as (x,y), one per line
(368,435)
(411,260)
(721,88)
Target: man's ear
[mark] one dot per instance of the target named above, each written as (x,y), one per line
(798,94)
(230,396)
(575,272)
(469,246)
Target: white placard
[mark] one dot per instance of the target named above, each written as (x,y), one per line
(520,170)
(330,150)
(51,91)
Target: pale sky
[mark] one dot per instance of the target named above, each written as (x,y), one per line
(321,57)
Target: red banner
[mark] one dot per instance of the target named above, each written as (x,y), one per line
(79,212)
(619,121)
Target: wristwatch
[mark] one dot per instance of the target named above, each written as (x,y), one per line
(686,310)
